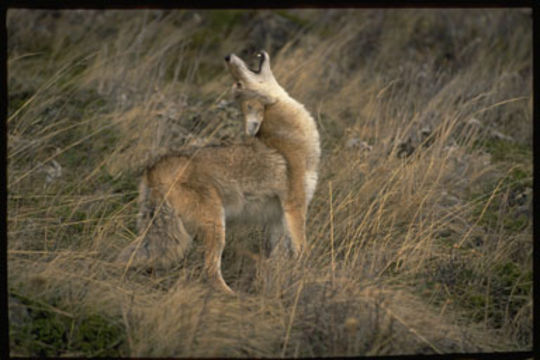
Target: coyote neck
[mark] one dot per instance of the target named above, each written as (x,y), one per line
(289,129)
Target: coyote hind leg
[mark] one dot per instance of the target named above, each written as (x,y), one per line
(213,234)
(206,217)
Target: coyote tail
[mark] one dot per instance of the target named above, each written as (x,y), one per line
(162,239)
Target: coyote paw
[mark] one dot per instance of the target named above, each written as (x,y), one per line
(134,254)
(221,285)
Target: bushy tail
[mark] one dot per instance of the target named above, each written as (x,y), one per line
(162,240)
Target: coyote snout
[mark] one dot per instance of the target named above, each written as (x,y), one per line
(268,179)
(252,110)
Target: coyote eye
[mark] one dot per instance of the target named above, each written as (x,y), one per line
(239,85)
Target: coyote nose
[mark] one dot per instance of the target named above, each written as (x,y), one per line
(227,58)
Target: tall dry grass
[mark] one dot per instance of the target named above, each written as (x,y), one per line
(420,228)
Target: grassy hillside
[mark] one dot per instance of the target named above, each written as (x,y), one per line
(420,228)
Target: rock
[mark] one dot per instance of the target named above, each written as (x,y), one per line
(523,210)
(52,170)
(405,149)
(357,143)
(449,200)
(270,31)
(497,135)
(474,123)
(425,136)
(444,233)
(18,313)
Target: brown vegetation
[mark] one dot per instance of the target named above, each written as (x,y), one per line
(420,227)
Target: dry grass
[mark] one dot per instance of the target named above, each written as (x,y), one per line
(422,244)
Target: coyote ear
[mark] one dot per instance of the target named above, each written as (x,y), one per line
(237,90)
(265,67)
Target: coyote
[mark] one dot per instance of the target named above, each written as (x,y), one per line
(269,178)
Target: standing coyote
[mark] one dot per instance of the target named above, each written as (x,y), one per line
(267,179)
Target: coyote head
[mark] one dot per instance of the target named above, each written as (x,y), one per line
(254,83)
(253,89)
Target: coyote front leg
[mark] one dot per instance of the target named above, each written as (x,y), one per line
(212,232)
(295,206)
(295,220)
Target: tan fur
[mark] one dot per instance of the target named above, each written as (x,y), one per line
(267,179)
(289,128)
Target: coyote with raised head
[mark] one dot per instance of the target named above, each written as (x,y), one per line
(267,179)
